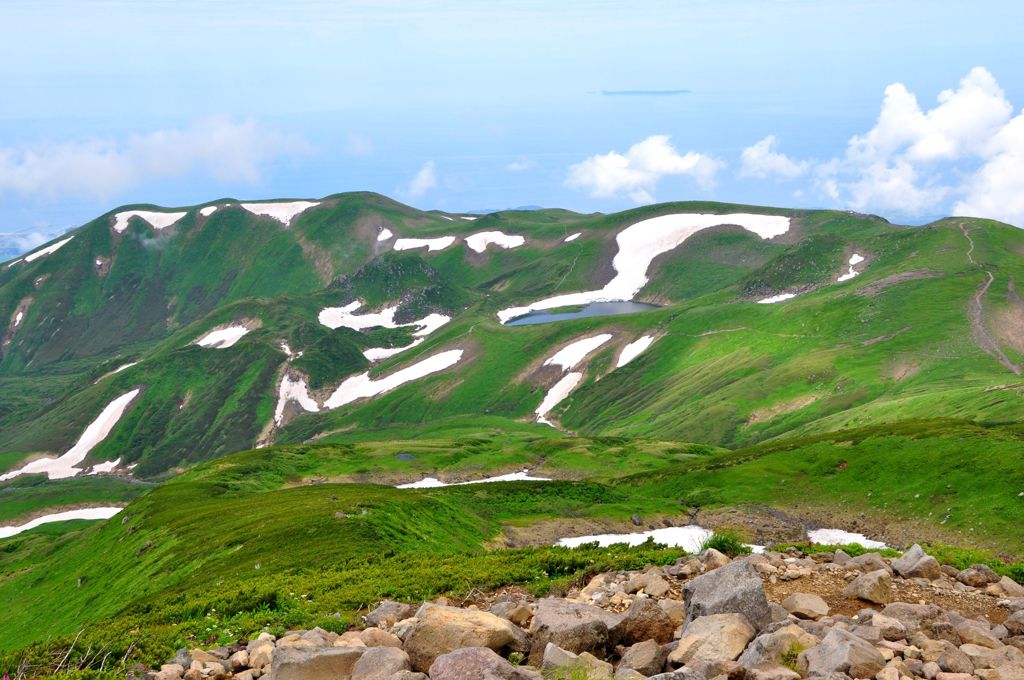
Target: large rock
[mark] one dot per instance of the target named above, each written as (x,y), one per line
(574,627)
(767,651)
(474,663)
(1015,623)
(914,617)
(916,563)
(560,663)
(947,655)
(439,630)
(870,561)
(978,576)
(1010,587)
(380,663)
(647,657)
(806,606)
(316,663)
(388,613)
(715,637)
(874,586)
(644,620)
(733,589)
(843,652)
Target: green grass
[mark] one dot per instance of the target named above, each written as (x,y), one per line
(728,543)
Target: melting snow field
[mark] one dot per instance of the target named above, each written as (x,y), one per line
(223,338)
(158,220)
(480,241)
(640,243)
(430,244)
(688,538)
(48,250)
(435,483)
(633,350)
(104,467)
(556,395)
(574,352)
(840,537)
(362,386)
(572,237)
(782,297)
(855,259)
(337,317)
(282,212)
(97,431)
(85,513)
(384,234)
(293,390)
(18,318)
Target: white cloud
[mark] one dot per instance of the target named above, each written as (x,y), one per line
(761,160)
(423,181)
(996,190)
(636,173)
(221,148)
(521,165)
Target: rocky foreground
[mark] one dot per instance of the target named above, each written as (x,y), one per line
(758,617)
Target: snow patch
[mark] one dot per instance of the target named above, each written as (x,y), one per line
(336,317)
(362,386)
(689,538)
(445,217)
(572,237)
(293,390)
(104,467)
(48,250)
(208,210)
(282,212)
(430,244)
(97,431)
(480,241)
(781,297)
(85,513)
(574,352)
(633,350)
(467,217)
(855,259)
(384,234)
(557,395)
(840,537)
(157,220)
(640,243)
(223,338)
(435,483)
(17,319)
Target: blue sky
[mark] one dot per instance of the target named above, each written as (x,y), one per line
(461,106)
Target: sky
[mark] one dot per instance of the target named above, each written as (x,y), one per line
(911,109)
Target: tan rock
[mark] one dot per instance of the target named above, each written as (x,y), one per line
(713,637)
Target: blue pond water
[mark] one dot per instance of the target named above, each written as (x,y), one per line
(593,309)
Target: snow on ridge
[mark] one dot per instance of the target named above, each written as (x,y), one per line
(574,352)
(18,317)
(480,241)
(572,237)
(97,431)
(643,241)
(337,317)
(362,386)
(855,259)
(633,350)
(223,337)
(435,483)
(282,212)
(293,390)
(467,218)
(384,234)
(431,244)
(157,220)
(208,210)
(556,395)
(84,513)
(48,250)
(781,297)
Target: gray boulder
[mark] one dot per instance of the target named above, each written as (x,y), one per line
(314,663)
(474,663)
(388,613)
(439,630)
(806,606)
(380,663)
(871,561)
(978,576)
(916,563)
(644,620)
(574,627)
(733,589)
(873,586)
(842,652)
(647,657)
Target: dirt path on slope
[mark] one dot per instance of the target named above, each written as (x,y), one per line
(981,335)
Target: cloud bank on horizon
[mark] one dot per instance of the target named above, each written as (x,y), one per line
(965,155)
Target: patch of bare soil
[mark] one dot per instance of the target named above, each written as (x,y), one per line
(875,287)
(767,413)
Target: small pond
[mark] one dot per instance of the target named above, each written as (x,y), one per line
(592,309)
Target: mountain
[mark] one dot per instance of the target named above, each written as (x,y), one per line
(251,378)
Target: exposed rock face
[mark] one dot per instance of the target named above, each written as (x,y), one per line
(843,652)
(574,627)
(474,663)
(733,589)
(915,563)
(297,663)
(716,637)
(644,620)
(806,606)
(874,586)
(646,658)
